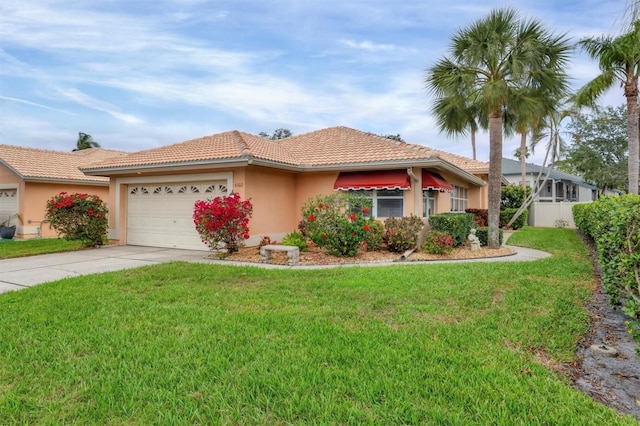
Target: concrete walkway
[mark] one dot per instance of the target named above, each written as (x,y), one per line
(25,272)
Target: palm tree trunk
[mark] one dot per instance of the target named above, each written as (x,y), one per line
(473,143)
(523,160)
(633,127)
(495,178)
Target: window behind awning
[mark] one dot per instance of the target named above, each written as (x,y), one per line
(376,179)
(432,180)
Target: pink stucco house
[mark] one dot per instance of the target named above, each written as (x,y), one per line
(29,177)
(152,192)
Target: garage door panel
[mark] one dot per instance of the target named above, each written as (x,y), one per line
(8,203)
(161,215)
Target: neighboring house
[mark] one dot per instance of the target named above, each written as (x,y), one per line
(29,177)
(560,192)
(559,186)
(152,192)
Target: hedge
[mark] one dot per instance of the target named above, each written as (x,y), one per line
(458,225)
(483,235)
(507,214)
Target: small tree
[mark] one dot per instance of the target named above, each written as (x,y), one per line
(223,220)
(80,217)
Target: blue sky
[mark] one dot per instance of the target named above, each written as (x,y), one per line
(136,74)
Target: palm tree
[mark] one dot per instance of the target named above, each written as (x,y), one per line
(619,62)
(85,141)
(503,64)
(459,115)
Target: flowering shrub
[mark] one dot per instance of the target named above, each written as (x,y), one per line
(401,234)
(80,217)
(337,222)
(437,242)
(223,220)
(374,236)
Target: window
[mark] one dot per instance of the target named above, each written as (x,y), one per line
(386,202)
(459,199)
(428,203)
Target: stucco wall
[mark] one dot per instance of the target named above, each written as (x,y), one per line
(272,194)
(33,203)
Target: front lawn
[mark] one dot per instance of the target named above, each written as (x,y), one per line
(32,247)
(206,344)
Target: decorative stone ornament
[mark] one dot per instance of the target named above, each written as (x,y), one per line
(474,242)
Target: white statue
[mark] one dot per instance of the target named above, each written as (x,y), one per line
(474,242)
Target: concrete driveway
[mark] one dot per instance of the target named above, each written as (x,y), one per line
(28,271)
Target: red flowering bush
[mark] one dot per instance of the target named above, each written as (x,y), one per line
(80,217)
(437,242)
(337,222)
(223,220)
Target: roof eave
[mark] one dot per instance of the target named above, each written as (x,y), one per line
(437,163)
(11,168)
(175,166)
(38,179)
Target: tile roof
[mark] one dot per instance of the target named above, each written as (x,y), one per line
(468,164)
(41,164)
(221,146)
(343,145)
(331,146)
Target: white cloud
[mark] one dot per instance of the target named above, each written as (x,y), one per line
(23,101)
(368,46)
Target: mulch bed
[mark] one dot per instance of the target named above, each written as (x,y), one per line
(318,256)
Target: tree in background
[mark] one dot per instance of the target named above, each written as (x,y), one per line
(277,134)
(599,150)
(396,137)
(85,141)
(619,62)
(502,64)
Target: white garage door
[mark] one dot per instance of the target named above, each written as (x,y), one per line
(8,204)
(161,215)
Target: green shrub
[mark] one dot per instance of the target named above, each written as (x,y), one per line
(480,216)
(458,225)
(507,214)
(81,217)
(295,238)
(614,223)
(483,235)
(337,222)
(581,217)
(401,234)
(513,196)
(437,242)
(374,236)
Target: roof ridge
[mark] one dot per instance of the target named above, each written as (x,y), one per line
(243,146)
(28,148)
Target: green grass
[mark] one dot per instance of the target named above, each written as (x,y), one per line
(178,343)
(21,248)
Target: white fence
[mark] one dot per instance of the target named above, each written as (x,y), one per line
(552,214)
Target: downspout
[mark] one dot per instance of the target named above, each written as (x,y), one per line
(416,203)
(416,191)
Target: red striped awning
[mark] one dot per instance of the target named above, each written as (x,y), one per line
(432,180)
(380,179)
